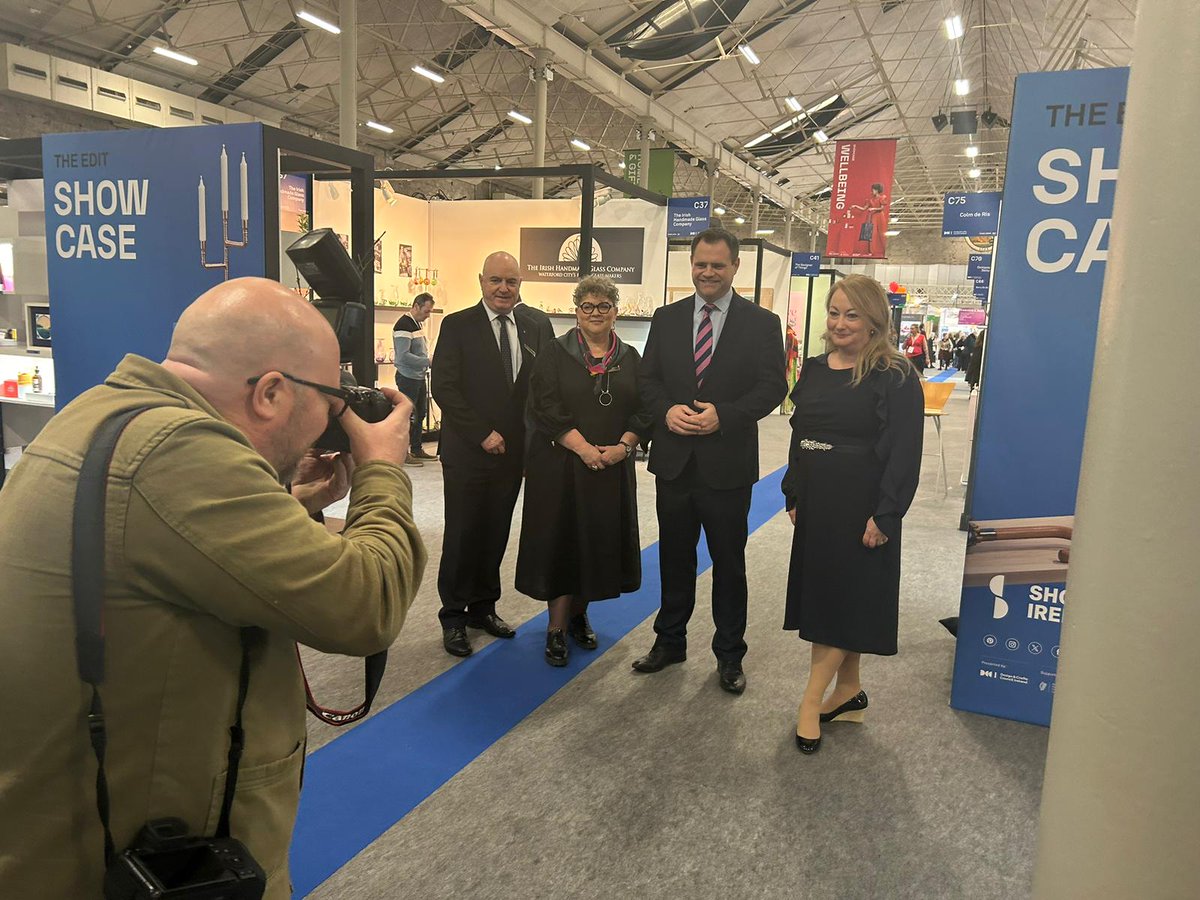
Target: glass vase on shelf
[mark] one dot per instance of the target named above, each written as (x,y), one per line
(379,351)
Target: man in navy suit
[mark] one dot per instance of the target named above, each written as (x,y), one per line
(713,367)
(481,369)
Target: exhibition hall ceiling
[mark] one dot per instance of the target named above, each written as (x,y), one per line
(865,69)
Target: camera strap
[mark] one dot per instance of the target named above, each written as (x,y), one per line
(88,589)
(373,675)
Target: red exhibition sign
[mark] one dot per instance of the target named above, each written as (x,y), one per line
(860,203)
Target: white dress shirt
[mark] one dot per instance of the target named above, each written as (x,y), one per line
(718,316)
(514,339)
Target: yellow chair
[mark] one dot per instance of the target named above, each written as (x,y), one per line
(936,395)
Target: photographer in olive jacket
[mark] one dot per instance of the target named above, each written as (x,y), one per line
(202,539)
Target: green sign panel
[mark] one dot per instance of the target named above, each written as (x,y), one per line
(662,170)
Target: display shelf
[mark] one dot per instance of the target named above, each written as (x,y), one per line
(44,400)
(20,350)
(405,308)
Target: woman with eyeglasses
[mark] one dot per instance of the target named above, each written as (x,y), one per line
(579,527)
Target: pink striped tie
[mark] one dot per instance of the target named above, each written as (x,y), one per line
(704,344)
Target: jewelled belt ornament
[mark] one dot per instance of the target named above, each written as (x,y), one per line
(806,444)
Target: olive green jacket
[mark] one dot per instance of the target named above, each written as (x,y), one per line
(201,540)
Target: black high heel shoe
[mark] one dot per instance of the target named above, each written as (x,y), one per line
(808,745)
(853,710)
(556,647)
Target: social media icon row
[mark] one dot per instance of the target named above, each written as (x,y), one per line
(1013,645)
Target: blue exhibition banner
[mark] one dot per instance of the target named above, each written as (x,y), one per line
(979,266)
(687,216)
(125,223)
(806,265)
(970,214)
(1050,260)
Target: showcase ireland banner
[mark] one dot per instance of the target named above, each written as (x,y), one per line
(138,224)
(1048,274)
(861,199)
(552,254)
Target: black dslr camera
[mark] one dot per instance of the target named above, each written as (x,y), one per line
(320,257)
(166,862)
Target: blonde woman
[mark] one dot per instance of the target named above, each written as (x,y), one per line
(853,466)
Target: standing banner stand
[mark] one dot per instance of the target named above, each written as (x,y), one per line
(1046,286)
(139,223)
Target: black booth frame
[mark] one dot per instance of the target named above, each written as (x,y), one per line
(588,175)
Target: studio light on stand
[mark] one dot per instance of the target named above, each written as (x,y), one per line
(320,257)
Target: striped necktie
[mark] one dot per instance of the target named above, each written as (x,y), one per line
(704,344)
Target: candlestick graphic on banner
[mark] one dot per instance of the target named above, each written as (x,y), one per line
(860,203)
(203,218)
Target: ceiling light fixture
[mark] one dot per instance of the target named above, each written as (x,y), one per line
(962,86)
(972,151)
(497,167)
(177,56)
(765,231)
(820,137)
(386,129)
(719,210)
(758,140)
(576,142)
(318,21)
(621,164)
(427,73)
(794,105)
(974,173)
(747,51)
(519,117)
(741,220)
(954,28)
(892,233)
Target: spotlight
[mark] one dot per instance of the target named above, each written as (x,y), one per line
(794,105)
(719,210)
(972,151)
(993,120)
(974,173)
(820,137)
(741,220)
(940,121)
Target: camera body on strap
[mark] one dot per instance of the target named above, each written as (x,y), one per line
(166,862)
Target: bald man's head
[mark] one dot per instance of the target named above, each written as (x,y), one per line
(248,327)
(500,282)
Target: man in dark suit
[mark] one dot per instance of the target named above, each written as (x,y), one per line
(713,367)
(480,380)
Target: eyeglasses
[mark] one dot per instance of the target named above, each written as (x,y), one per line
(341,393)
(604,307)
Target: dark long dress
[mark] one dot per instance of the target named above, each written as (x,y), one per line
(840,593)
(579,528)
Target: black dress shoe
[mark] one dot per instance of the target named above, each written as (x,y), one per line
(850,711)
(421,454)
(556,647)
(733,679)
(492,624)
(581,632)
(808,745)
(659,658)
(455,641)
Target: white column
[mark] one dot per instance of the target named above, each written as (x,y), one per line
(1121,799)
(348,88)
(541,59)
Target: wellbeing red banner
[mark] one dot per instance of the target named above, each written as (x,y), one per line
(861,199)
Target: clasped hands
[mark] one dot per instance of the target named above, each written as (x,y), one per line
(682,419)
(598,458)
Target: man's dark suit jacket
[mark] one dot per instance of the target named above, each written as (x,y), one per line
(745,380)
(468,384)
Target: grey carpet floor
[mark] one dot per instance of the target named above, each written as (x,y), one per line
(664,786)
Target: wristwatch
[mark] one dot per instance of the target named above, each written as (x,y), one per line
(629,448)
